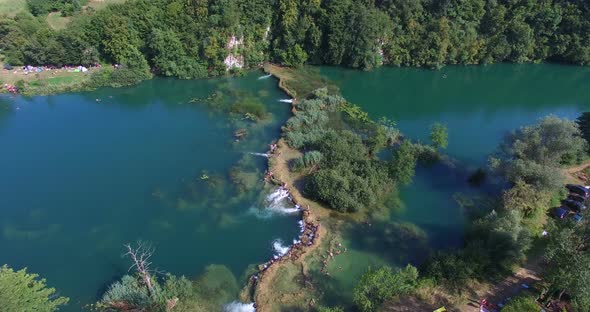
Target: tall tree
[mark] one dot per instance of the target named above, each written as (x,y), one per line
(22,291)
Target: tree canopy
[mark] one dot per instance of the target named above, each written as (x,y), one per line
(22,291)
(191,39)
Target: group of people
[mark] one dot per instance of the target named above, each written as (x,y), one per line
(11,88)
(333,251)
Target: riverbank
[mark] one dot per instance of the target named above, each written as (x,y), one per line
(47,81)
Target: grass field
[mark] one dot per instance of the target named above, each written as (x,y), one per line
(56,21)
(11,7)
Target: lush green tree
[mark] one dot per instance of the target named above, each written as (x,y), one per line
(22,291)
(522,304)
(584,124)
(534,154)
(526,199)
(377,286)
(402,165)
(439,135)
(568,260)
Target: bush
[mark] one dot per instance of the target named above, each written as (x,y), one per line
(377,286)
(348,180)
(22,291)
(522,304)
(535,153)
(402,166)
(310,159)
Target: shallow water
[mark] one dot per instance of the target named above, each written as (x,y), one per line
(479,105)
(83,174)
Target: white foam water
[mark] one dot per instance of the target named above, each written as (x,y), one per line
(279,248)
(286,100)
(239,307)
(264,77)
(276,203)
(259,154)
(278,195)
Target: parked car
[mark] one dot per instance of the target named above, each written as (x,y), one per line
(578,189)
(576,197)
(577,217)
(574,205)
(560,213)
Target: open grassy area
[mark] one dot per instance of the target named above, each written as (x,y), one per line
(56,21)
(99,4)
(46,82)
(11,7)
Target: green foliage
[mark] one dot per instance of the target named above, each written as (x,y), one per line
(308,160)
(348,181)
(402,165)
(213,288)
(568,261)
(439,135)
(189,39)
(130,290)
(377,286)
(525,199)
(584,124)
(40,7)
(534,153)
(309,123)
(22,291)
(494,244)
(522,304)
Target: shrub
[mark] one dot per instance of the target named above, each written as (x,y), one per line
(22,291)
(310,159)
(377,286)
(522,304)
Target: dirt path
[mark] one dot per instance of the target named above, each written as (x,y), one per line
(572,175)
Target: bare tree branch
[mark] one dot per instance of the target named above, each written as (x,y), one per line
(140,255)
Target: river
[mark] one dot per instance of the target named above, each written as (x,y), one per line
(85,173)
(479,105)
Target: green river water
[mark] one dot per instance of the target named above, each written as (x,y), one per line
(80,177)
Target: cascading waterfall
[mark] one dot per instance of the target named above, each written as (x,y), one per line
(279,248)
(264,77)
(276,203)
(239,307)
(259,154)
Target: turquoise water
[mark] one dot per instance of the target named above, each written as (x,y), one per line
(85,173)
(479,105)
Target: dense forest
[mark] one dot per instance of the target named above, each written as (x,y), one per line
(194,38)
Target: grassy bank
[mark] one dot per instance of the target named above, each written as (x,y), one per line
(299,82)
(45,82)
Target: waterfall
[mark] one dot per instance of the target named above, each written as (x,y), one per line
(277,202)
(279,248)
(259,154)
(264,77)
(239,307)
